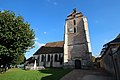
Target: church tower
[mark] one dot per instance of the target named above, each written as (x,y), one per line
(77,49)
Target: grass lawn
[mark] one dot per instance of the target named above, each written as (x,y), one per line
(47,74)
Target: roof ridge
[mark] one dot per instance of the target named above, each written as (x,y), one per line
(74,12)
(118,36)
(54,42)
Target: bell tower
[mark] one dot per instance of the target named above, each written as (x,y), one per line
(77,49)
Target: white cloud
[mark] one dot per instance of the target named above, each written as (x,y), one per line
(39,44)
(2,10)
(45,32)
(55,3)
(36,38)
(96,21)
(105,41)
(48,0)
(36,29)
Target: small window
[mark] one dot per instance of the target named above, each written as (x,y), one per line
(38,58)
(74,22)
(42,59)
(61,60)
(59,57)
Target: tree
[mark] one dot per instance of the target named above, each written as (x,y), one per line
(16,38)
(19,59)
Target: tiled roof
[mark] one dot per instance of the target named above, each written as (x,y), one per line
(55,44)
(53,47)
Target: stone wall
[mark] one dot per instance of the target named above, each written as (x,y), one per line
(77,42)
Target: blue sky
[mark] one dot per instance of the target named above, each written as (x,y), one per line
(47,18)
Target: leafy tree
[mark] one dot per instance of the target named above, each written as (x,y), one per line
(18,59)
(16,38)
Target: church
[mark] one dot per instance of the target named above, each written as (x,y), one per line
(74,51)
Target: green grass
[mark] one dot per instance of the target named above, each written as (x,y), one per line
(47,74)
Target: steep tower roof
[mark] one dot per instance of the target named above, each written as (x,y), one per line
(74,14)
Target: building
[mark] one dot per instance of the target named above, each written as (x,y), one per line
(50,55)
(74,51)
(77,50)
(110,57)
(29,63)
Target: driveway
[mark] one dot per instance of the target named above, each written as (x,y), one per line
(78,74)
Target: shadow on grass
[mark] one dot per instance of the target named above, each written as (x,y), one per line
(54,73)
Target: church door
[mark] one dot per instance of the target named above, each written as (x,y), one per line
(77,64)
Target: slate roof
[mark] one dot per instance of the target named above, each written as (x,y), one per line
(30,60)
(115,41)
(53,47)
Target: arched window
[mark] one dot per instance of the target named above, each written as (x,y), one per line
(48,58)
(59,57)
(56,57)
(75,30)
(38,60)
(42,58)
(61,60)
(74,22)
